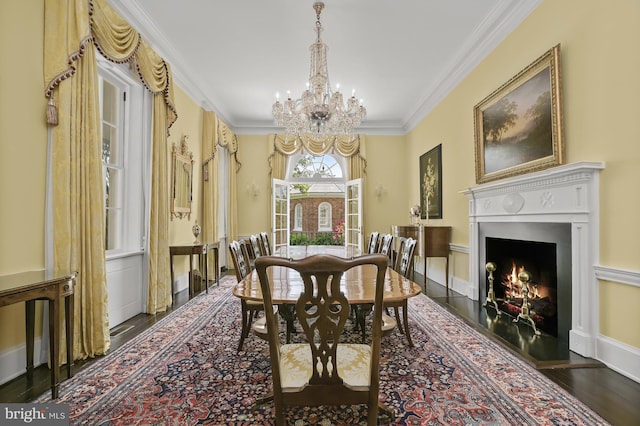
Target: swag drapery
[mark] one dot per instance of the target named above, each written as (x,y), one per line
(351,148)
(215,133)
(74,29)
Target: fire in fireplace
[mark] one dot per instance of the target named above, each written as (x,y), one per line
(539,259)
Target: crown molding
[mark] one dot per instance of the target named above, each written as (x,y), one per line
(504,18)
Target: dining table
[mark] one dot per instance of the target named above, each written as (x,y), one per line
(357,283)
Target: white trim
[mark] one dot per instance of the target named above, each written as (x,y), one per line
(621,276)
(12,361)
(620,357)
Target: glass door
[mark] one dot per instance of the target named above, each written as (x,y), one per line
(280,213)
(353,214)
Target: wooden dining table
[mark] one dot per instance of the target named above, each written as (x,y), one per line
(357,284)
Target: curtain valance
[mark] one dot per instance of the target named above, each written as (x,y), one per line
(346,146)
(350,147)
(80,22)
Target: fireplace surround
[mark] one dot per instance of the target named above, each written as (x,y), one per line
(547,203)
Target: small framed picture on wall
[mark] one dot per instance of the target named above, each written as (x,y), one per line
(431,184)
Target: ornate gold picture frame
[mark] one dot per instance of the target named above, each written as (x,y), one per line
(431,184)
(518,128)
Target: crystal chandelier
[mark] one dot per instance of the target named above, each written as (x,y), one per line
(320,112)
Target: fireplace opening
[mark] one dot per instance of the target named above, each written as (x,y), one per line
(539,259)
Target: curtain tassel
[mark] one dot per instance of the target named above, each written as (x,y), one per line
(52,112)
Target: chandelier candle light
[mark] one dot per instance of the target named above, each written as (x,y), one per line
(320,112)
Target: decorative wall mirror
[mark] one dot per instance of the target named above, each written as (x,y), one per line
(182,179)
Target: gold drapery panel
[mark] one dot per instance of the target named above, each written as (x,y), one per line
(350,147)
(72,28)
(228,139)
(216,133)
(210,181)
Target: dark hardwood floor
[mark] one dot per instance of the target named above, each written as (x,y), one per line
(612,395)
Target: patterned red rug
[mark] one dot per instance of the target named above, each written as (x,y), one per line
(185,370)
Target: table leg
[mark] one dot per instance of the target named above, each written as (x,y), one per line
(446,265)
(192,277)
(425,270)
(172,281)
(68,308)
(205,255)
(54,343)
(217,266)
(30,315)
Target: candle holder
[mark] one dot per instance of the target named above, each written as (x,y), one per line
(526,313)
(491,296)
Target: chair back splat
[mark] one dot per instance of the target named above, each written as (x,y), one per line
(266,244)
(323,371)
(373,243)
(386,245)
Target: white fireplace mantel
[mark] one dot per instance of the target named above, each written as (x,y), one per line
(562,194)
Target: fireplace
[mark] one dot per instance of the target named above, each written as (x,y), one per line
(544,251)
(546,222)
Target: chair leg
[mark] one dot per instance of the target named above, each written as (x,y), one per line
(246,324)
(261,400)
(386,411)
(397,313)
(405,317)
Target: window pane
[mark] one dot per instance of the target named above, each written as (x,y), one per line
(110,144)
(114,224)
(109,103)
(113,188)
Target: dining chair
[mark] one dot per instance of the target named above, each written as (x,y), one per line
(404,266)
(266,245)
(256,246)
(386,245)
(324,370)
(249,308)
(373,243)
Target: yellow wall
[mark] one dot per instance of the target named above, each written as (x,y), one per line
(189,122)
(253,212)
(600,62)
(23,150)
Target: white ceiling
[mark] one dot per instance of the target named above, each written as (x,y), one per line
(402,58)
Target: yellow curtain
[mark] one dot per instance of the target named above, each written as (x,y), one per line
(210,181)
(78,201)
(229,140)
(78,192)
(284,146)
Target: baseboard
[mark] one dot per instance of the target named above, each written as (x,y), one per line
(181,283)
(620,357)
(13,362)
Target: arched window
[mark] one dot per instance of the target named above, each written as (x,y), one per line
(324,217)
(312,167)
(297,218)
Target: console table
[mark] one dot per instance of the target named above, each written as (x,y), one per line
(39,285)
(201,250)
(432,241)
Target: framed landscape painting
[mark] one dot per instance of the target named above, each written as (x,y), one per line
(518,128)
(431,184)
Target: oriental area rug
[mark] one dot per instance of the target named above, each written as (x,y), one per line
(184,370)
